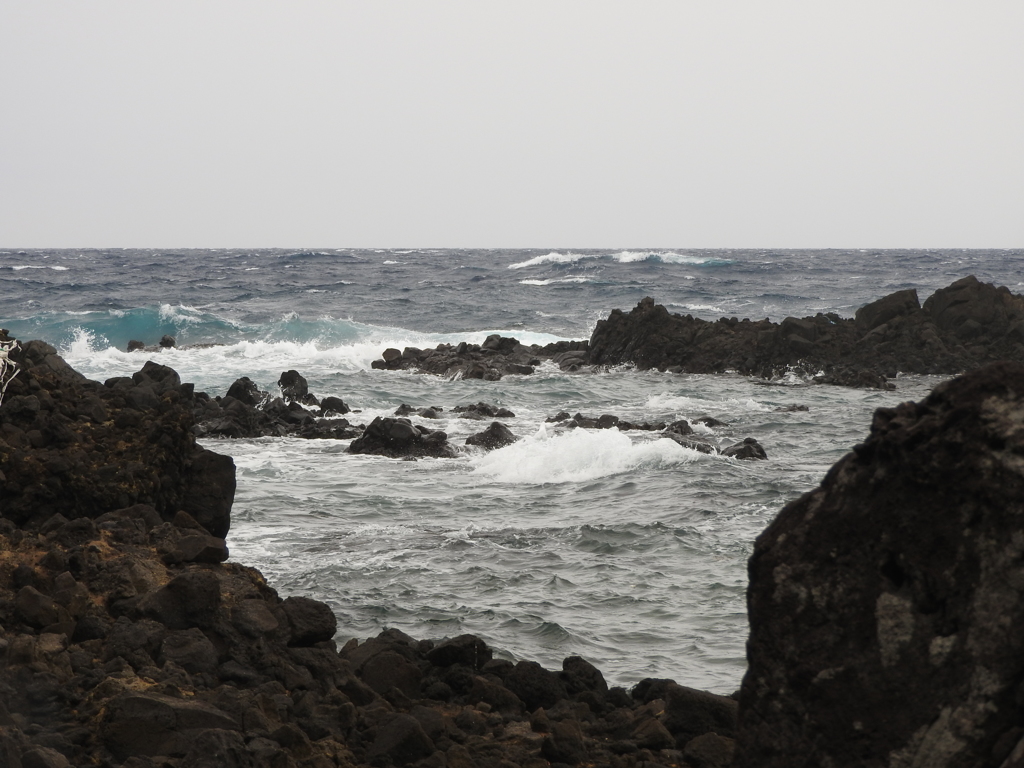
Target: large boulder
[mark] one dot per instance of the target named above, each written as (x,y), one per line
(400,438)
(887,606)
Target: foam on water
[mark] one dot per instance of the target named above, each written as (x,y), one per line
(571,279)
(552,258)
(618,546)
(580,455)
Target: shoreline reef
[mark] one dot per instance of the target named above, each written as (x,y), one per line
(958,328)
(127,638)
(886,611)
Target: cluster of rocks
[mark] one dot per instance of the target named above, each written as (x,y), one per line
(247,411)
(498,356)
(166,342)
(959,328)
(886,613)
(127,640)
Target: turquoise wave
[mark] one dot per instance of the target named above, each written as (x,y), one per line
(189,326)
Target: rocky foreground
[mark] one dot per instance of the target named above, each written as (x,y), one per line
(959,328)
(127,639)
(886,611)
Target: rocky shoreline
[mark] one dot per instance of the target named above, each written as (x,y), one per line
(885,607)
(128,639)
(959,328)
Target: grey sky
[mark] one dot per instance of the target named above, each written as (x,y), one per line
(547,124)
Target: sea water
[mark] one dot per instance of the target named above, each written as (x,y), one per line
(624,548)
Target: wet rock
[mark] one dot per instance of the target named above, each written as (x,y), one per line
(295,388)
(880,600)
(245,391)
(748,449)
(497,435)
(399,438)
(482,411)
(333,405)
(497,357)
(135,345)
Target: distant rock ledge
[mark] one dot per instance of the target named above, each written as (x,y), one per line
(959,328)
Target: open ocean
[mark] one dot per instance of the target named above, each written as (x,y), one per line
(623,548)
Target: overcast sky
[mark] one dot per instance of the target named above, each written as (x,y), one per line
(813,123)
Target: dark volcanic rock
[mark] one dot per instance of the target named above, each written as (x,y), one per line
(482,411)
(959,328)
(604,421)
(400,438)
(495,436)
(748,449)
(498,356)
(126,640)
(295,388)
(247,411)
(886,607)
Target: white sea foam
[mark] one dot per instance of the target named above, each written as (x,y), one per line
(698,406)
(263,360)
(19,267)
(180,315)
(571,279)
(665,257)
(577,456)
(698,308)
(552,258)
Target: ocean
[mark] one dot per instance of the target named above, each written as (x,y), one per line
(623,548)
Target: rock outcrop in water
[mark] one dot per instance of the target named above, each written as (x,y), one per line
(247,411)
(959,328)
(126,640)
(887,606)
(399,438)
(498,356)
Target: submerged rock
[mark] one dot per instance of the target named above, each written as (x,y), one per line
(886,606)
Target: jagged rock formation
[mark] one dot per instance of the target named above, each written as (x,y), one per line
(959,328)
(126,640)
(887,606)
(498,356)
(247,411)
(78,448)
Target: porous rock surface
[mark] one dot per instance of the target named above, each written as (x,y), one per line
(126,640)
(887,606)
(959,328)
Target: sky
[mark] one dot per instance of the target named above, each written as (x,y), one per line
(790,123)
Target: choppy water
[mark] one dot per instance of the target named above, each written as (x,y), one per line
(623,548)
